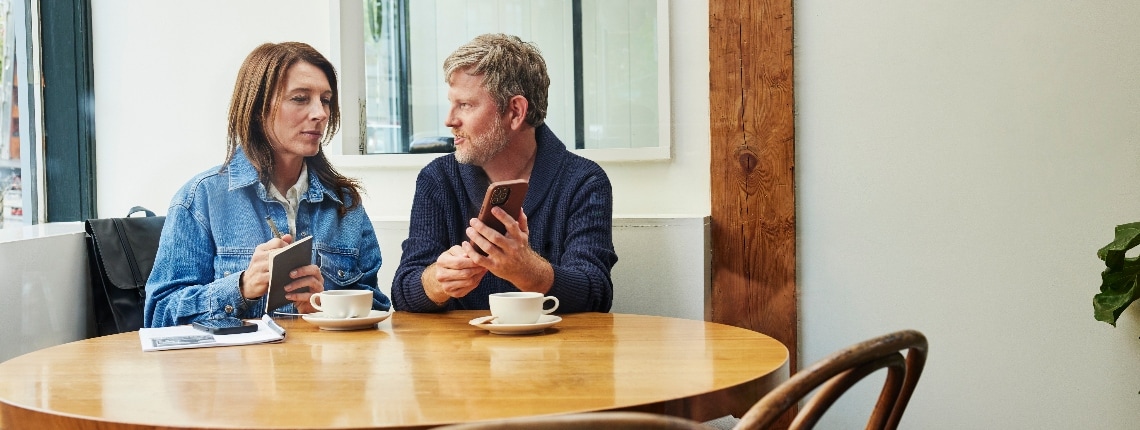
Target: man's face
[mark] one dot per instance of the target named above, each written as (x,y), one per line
(474,119)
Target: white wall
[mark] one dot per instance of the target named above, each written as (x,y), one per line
(164,73)
(44,285)
(959,164)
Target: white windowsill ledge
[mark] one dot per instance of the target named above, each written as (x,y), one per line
(601,156)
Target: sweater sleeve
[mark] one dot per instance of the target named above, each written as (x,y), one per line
(582,279)
(427,238)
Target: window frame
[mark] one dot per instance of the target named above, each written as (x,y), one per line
(64,110)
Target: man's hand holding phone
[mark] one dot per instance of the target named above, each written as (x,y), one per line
(511,257)
(455,273)
(506,197)
(504,244)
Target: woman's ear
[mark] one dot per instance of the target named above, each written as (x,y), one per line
(517,108)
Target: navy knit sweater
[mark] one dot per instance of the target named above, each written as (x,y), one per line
(569,209)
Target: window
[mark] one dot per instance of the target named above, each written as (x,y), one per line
(11,171)
(607,61)
(47,142)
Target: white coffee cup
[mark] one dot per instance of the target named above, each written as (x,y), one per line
(520,307)
(343,303)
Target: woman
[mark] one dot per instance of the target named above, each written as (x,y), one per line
(222,226)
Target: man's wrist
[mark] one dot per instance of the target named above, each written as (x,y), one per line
(432,290)
(538,276)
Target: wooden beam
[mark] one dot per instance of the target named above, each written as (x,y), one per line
(753,169)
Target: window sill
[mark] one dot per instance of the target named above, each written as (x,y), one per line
(601,156)
(381,160)
(39,231)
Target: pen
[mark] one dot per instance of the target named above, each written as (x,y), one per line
(272,227)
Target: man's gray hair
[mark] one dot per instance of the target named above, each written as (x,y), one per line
(509,66)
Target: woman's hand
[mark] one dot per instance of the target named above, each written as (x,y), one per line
(306,276)
(255,279)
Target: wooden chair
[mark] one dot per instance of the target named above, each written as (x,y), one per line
(836,373)
(584,421)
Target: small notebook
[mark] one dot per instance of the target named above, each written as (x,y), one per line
(297,254)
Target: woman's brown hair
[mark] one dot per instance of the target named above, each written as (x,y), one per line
(254,104)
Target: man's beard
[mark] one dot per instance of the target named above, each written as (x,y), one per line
(482,148)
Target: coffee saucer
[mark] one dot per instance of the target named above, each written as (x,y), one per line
(544,322)
(325,323)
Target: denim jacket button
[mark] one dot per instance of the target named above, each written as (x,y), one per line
(340,273)
(229,309)
(226,273)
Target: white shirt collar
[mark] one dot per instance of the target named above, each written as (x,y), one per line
(292,197)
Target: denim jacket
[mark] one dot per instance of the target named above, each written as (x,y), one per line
(213,225)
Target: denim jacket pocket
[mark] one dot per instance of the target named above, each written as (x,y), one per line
(339,265)
(231,260)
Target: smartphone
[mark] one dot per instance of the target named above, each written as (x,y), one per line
(225,326)
(508,195)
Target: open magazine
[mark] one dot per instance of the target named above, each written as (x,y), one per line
(185,336)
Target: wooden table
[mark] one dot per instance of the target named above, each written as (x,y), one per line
(413,371)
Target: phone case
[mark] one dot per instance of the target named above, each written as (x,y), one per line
(225,326)
(508,195)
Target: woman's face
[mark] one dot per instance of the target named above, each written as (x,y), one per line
(302,113)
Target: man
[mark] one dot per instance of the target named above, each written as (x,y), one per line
(561,245)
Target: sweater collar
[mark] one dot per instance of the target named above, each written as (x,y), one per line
(549,155)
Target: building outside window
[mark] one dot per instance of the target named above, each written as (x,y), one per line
(11,186)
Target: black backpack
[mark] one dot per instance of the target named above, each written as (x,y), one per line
(120,254)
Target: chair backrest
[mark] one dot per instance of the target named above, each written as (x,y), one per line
(583,421)
(836,373)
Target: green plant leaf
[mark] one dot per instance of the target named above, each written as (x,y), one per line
(1121,276)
